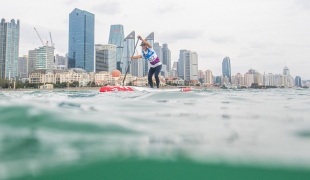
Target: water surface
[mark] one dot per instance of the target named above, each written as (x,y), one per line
(139,135)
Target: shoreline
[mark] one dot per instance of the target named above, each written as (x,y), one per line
(98,88)
(56,89)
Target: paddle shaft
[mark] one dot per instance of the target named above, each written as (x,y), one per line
(130,62)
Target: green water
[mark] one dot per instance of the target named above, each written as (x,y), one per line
(220,134)
(181,169)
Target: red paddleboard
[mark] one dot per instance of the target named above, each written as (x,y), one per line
(115,88)
(186,89)
(147,89)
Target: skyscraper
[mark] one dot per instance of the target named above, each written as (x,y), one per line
(105,57)
(252,71)
(136,67)
(159,51)
(268,79)
(187,65)
(218,80)
(9,48)
(209,77)
(175,65)
(298,81)
(226,68)
(194,66)
(60,61)
(164,72)
(258,79)
(190,60)
(286,71)
(81,40)
(181,64)
(239,79)
(166,56)
(201,76)
(149,39)
(117,38)
(128,50)
(41,58)
(248,79)
(23,67)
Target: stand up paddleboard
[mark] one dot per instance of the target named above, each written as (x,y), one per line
(132,89)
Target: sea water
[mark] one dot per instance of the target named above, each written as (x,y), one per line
(212,134)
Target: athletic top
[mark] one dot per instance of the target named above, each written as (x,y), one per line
(151,56)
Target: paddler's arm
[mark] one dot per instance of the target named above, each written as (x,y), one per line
(136,57)
(145,42)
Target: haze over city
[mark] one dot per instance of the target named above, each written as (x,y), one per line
(264,35)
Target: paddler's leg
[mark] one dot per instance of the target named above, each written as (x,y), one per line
(151,73)
(157,71)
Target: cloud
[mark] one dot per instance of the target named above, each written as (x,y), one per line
(69,2)
(245,54)
(263,49)
(175,36)
(210,54)
(303,3)
(167,9)
(258,45)
(108,7)
(222,39)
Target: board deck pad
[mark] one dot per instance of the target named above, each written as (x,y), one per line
(147,89)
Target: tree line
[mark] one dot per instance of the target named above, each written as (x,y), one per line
(8,84)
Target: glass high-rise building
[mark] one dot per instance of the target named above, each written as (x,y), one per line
(286,71)
(117,38)
(226,68)
(149,39)
(41,58)
(128,50)
(218,80)
(105,57)
(181,67)
(81,40)
(60,60)
(298,81)
(23,67)
(166,56)
(159,51)
(187,65)
(9,48)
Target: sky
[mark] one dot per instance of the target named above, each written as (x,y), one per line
(262,34)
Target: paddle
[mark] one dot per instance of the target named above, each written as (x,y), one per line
(130,62)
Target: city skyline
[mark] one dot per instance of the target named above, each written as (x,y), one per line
(268,50)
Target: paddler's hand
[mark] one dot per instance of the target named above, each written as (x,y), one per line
(139,37)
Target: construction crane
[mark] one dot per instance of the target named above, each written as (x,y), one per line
(39,36)
(53,45)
